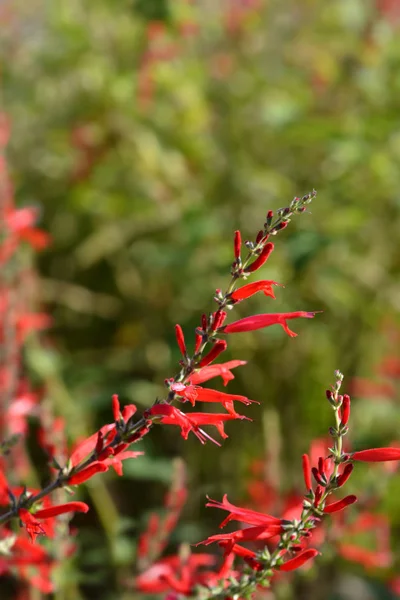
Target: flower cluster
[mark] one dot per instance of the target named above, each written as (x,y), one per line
(285,543)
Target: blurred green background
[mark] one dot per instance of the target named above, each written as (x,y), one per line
(147,131)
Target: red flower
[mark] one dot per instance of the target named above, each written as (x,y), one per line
(115,461)
(173,416)
(223,370)
(252,288)
(376,455)
(299,560)
(194,393)
(180,575)
(216,350)
(180,339)
(87,473)
(345,410)
(344,476)
(266,320)
(340,504)
(237,244)
(251,534)
(61,509)
(31,523)
(307,472)
(260,260)
(244,515)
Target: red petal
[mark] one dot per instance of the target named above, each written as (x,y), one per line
(299,560)
(340,504)
(53,511)
(376,455)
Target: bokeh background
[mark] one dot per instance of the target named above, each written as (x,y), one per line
(146,132)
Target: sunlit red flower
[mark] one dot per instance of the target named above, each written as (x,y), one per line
(376,455)
(266,320)
(299,560)
(222,370)
(252,288)
(194,393)
(339,504)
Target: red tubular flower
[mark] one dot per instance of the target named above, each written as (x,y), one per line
(219,347)
(237,244)
(170,415)
(85,447)
(54,511)
(252,288)
(307,471)
(116,408)
(318,477)
(345,410)
(198,394)
(266,320)
(180,339)
(318,494)
(340,504)
(244,515)
(344,476)
(219,319)
(299,560)
(251,534)
(85,474)
(115,461)
(31,524)
(198,342)
(223,370)
(376,455)
(260,260)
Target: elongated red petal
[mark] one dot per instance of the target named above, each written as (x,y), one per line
(180,339)
(252,288)
(266,320)
(376,455)
(307,471)
(211,371)
(245,515)
(237,244)
(260,260)
(340,504)
(343,477)
(85,474)
(116,407)
(345,410)
(53,511)
(219,347)
(299,560)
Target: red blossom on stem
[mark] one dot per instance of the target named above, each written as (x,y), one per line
(299,560)
(250,289)
(219,347)
(266,320)
(222,370)
(376,455)
(180,339)
(237,244)
(261,259)
(340,504)
(307,471)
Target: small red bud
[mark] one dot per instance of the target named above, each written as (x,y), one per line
(307,471)
(116,408)
(180,339)
(343,477)
(345,410)
(237,244)
(198,342)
